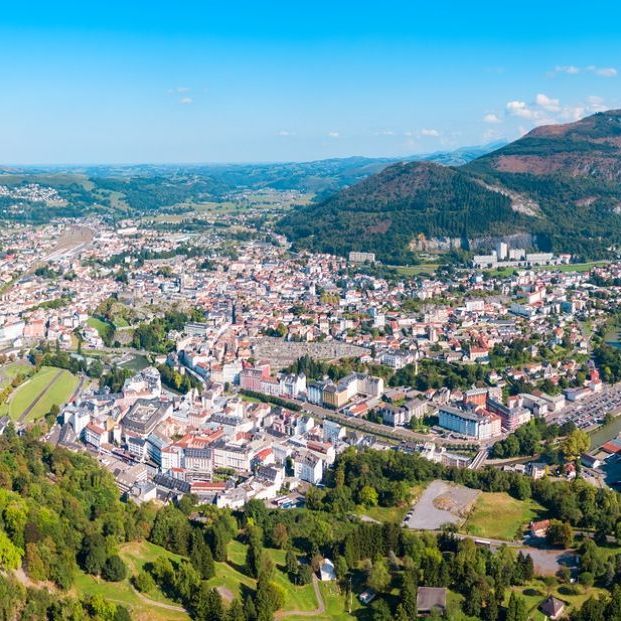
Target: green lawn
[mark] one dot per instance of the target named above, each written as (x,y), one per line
(57,393)
(104,328)
(9,371)
(228,576)
(500,516)
(535,592)
(572,267)
(415,270)
(135,555)
(393,515)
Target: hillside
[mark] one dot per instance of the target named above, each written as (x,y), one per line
(559,183)
(383,213)
(138,189)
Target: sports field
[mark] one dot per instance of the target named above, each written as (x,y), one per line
(34,398)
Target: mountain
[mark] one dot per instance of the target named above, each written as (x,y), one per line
(559,186)
(129,190)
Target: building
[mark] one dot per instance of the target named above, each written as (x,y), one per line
(308,466)
(429,599)
(145,415)
(552,608)
(482,426)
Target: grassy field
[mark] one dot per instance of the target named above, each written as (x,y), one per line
(136,555)
(38,387)
(104,328)
(536,592)
(499,516)
(415,270)
(572,267)
(9,371)
(392,515)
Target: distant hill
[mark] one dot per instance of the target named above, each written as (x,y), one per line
(559,183)
(136,189)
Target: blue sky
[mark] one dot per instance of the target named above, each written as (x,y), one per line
(189,81)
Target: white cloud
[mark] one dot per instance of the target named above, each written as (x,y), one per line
(521,109)
(603,72)
(186,101)
(334,134)
(596,104)
(548,103)
(429,132)
(385,132)
(569,69)
(490,117)
(606,72)
(284,132)
(183,89)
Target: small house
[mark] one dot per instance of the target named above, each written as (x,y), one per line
(429,599)
(552,608)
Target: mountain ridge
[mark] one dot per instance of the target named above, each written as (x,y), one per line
(560,183)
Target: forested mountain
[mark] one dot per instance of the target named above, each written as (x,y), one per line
(558,182)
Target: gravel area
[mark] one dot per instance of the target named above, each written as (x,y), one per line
(441,503)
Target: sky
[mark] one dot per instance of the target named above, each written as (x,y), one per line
(238,81)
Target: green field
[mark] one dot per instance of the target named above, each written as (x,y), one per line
(392,515)
(9,371)
(47,387)
(500,516)
(415,270)
(536,592)
(135,555)
(572,267)
(104,328)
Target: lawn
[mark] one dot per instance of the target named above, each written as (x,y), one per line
(9,371)
(104,328)
(49,386)
(392,515)
(415,270)
(500,516)
(229,576)
(572,267)
(135,555)
(536,592)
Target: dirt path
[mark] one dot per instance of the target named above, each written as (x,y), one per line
(152,602)
(321,608)
(40,396)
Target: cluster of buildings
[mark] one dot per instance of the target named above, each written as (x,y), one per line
(505,256)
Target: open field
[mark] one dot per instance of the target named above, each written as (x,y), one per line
(9,371)
(392,515)
(415,270)
(442,503)
(536,592)
(136,555)
(572,267)
(499,516)
(34,398)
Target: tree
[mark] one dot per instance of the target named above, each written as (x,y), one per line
(114,569)
(143,581)
(368,496)
(378,577)
(236,611)
(201,556)
(93,554)
(576,443)
(560,534)
(516,609)
(586,579)
(280,535)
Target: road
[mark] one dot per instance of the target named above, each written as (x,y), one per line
(400,434)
